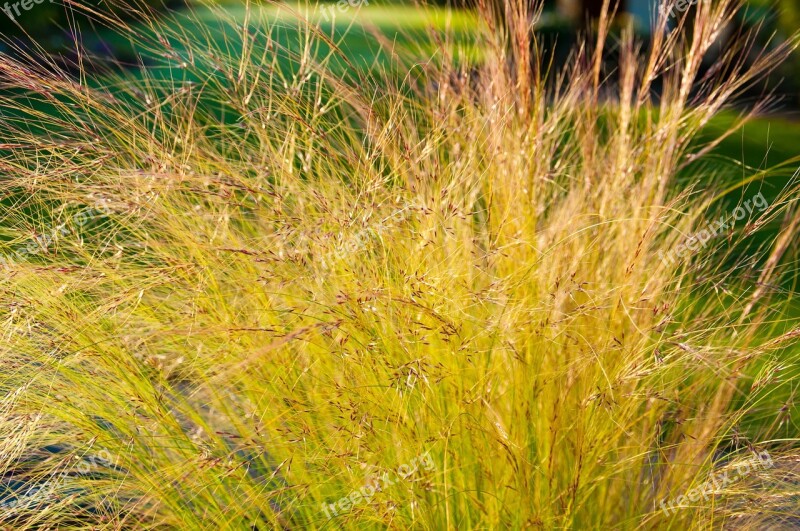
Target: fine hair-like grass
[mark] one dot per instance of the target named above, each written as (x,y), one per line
(256,279)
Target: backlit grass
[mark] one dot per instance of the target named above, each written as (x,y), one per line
(262,287)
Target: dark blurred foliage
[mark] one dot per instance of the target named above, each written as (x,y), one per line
(767,21)
(54,24)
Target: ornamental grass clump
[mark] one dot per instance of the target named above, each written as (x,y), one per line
(416,294)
